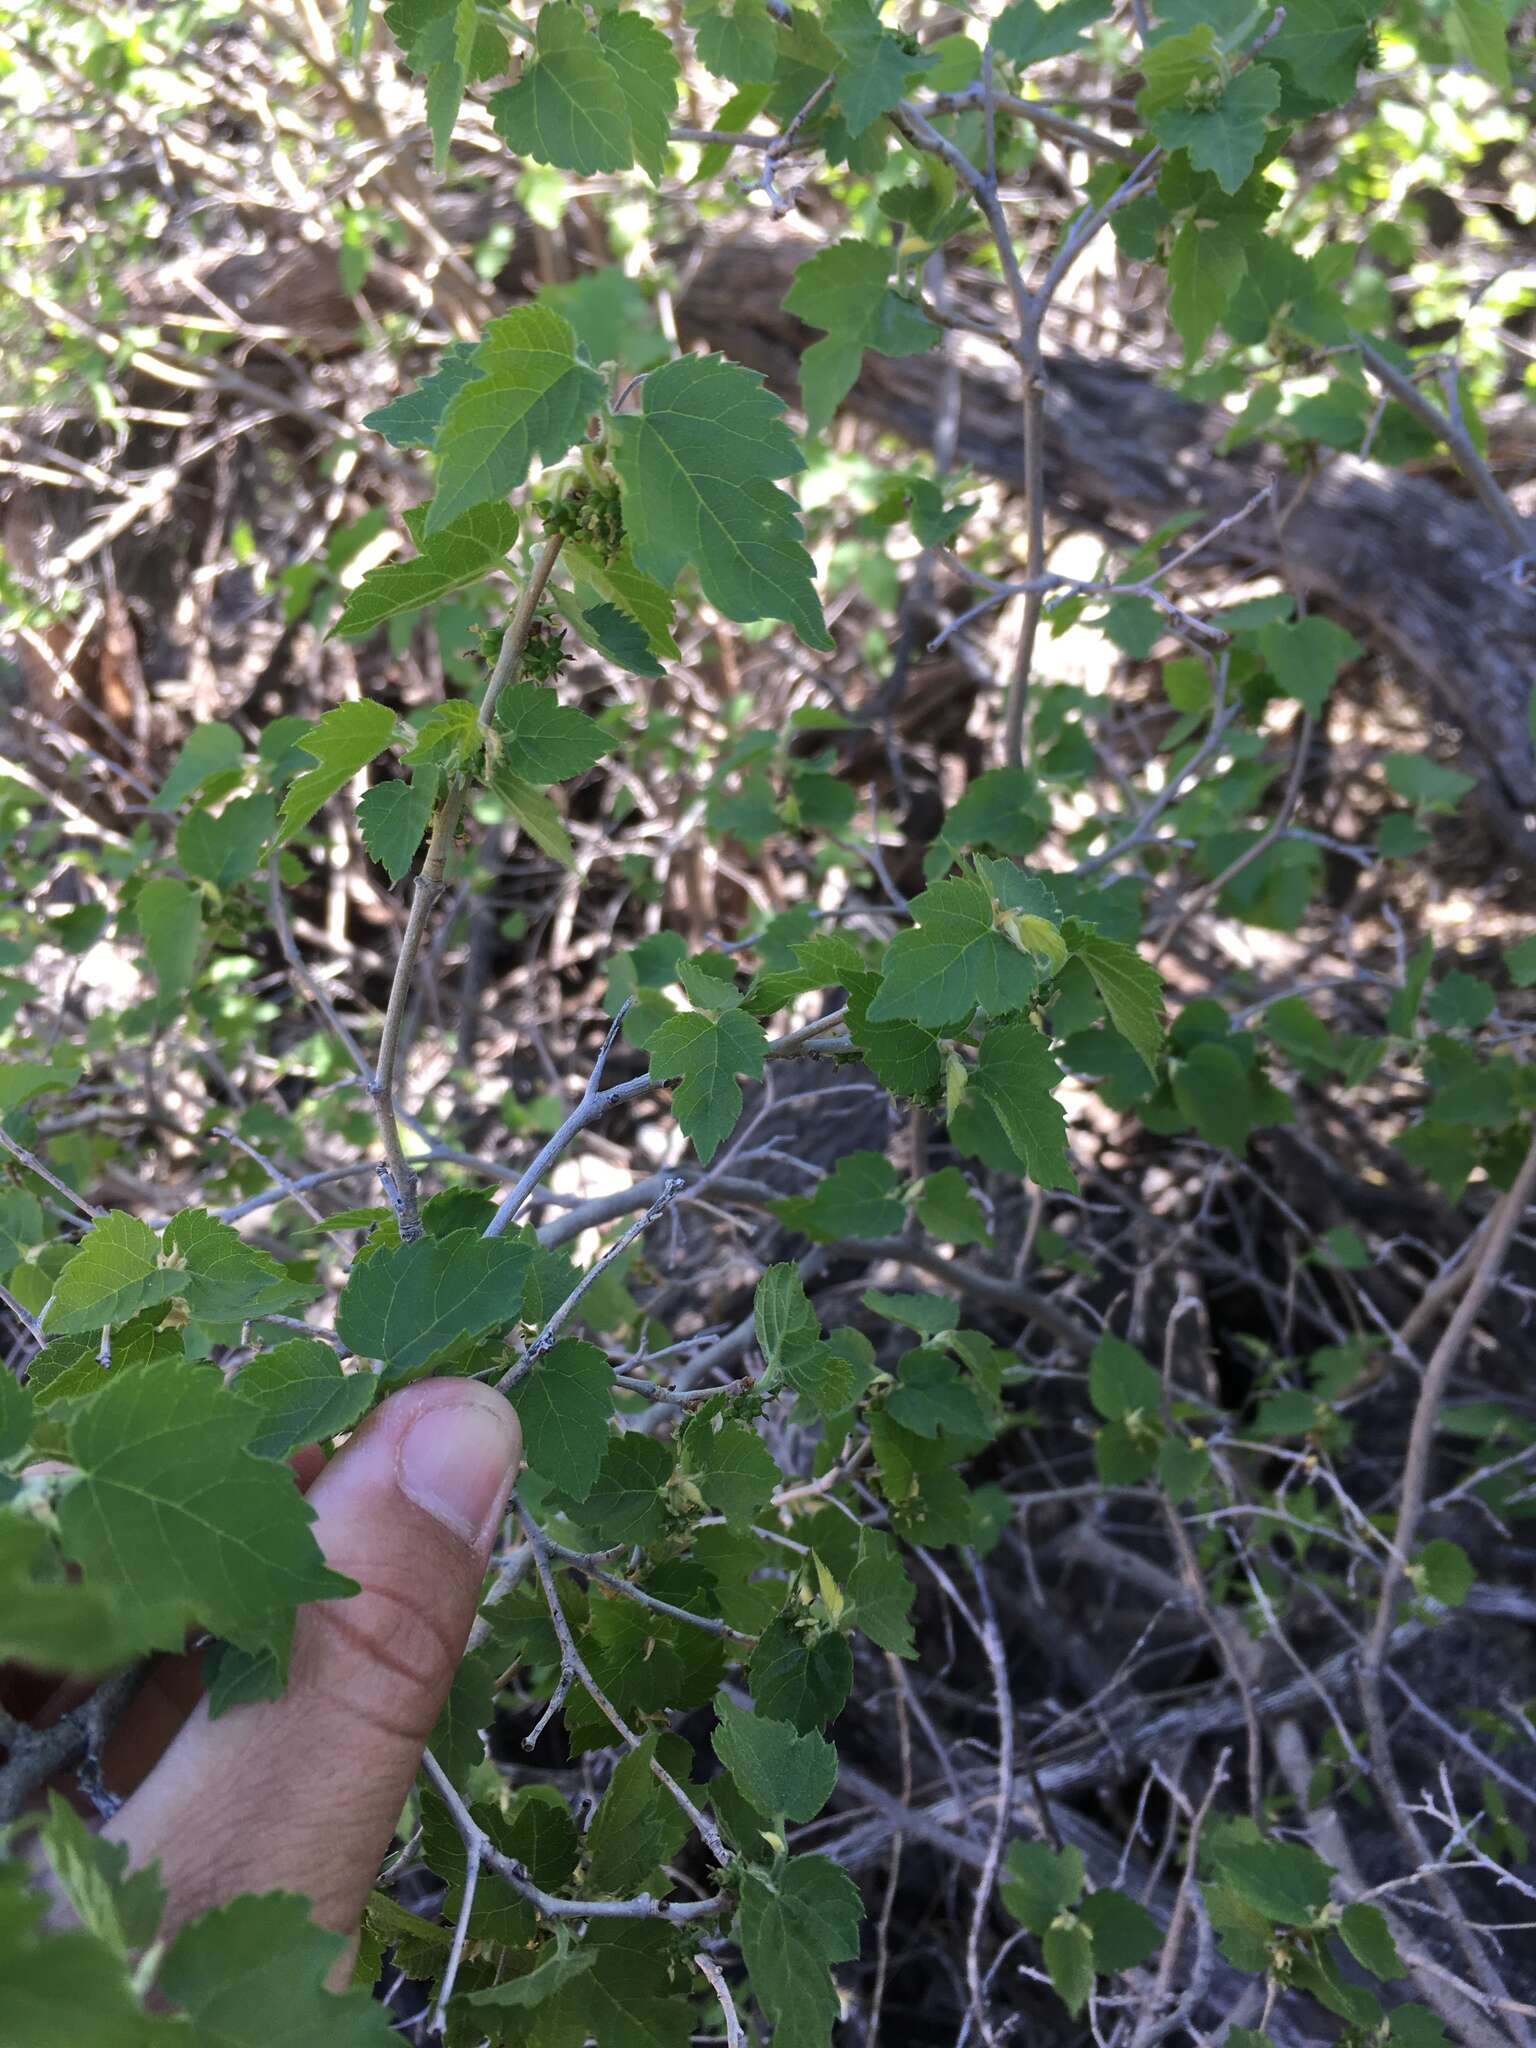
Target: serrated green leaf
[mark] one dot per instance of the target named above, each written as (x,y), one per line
(555,1972)
(1444,1571)
(626,2000)
(1369,1939)
(778,1771)
(954,958)
(565,1406)
(1418,779)
(697,466)
(409,1303)
(534,812)
(704,1055)
(617,636)
(736,40)
(253,1972)
(1123,1933)
(932,1398)
(1014,1075)
(207,750)
(1205,267)
(1305,657)
(109,1279)
(224,848)
(530,398)
(1041,1882)
(171,1504)
(638,1825)
(1281,1880)
(1320,46)
(343,743)
(877,69)
(544,740)
(1068,1952)
(170,917)
(630,591)
(393,817)
(121,1908)
(794,1927)
(1027,33)
(1210,1086)
(302,1396)
(731,1466)
(1131,989)
(1121,1382)
(881,1592)
(648,78)
(798,1675)
(856,1199)
(59,1990)
(1481,28)
(568,107)
(948,1210)
(846,291)
(623,1505)
(793,1348)
(1225,135)
(462,554)
(412,420)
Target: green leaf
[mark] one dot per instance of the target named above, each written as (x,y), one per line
(207,750)
(1461,1002)
(932,1398)
(626,1999)
(120,1908)
(1370,1941)
(630,591)
(410,1303)
(876,69)
(697,466)
(1014,1076)
(1123,1932)
(1068,1953)
(954,958)
(15,1419)
(109,1279)
(533,811)
(793,1348)
(252,1973)
(1120,1381)
(881,1592)
(565,1406)
(1205,267)
(224,849)
(948,1210)
(1210,1086)
(1224,135)
(624,1504)
(302,1396)
(929,1314)
(544,740)
(1320,47)
(462,554)
(171,1504)
(170,916)
(856,1199)
(554,1973)
(846,291)
(1281,1880)
(638,1825)
(58,1625)
(568,107)
(1420,780)
(343,743)
(794,1926)
(736,40)
(393,816)
(1130,987)
(1444,1571)
(530,397)
(1040,1883)
(60,1990)
(1305,657)
(779,1772)
(618,637)
(1027,33)
(646,70)
(1481,28)
(798,1675)
(705,1054)
(731,1466)
(412,420)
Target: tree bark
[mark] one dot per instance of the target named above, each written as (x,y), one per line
(1419,571)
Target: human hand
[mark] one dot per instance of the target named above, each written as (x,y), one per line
(302,1793)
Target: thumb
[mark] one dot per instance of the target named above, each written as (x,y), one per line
(302,1794)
